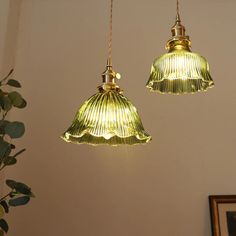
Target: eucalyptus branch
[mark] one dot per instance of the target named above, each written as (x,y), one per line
(3,198)
(5,78)
(20,194)
(2,167)
(4,115)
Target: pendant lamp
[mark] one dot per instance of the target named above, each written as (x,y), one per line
(179,71)
(107,117)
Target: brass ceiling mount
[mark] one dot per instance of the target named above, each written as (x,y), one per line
(109,77)
(179,40)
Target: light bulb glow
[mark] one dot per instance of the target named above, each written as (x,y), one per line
(180,71)
(107,117)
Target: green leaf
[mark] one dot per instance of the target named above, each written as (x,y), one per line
(19,187)
(6,103)
(5,149)
(11,183)
(1,99)
(9,161)
(4,225)
(23,188)
(3,124)
(2,211)
(15,129)
(23,104)
(14,83)
(15,98)
(5,206)
(19,201)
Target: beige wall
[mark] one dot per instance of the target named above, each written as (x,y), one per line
(157,189)
(9,20)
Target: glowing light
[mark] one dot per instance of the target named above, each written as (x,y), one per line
(107,117)
(179,71)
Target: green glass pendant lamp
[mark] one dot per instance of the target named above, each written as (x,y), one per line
(179,71)
(107,117)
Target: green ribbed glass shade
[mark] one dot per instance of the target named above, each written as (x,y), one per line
(107,117)
(180,71)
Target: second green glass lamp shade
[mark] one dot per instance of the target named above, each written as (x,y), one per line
(179,71)
(108,117)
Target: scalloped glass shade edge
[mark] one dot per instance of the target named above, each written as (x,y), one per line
(107,118)
(114,141)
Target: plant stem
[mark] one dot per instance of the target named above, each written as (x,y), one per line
(11,71)
(3,198)
(2,167)
(4,115)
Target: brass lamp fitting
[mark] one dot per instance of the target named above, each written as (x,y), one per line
(109,77)
(179,40)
